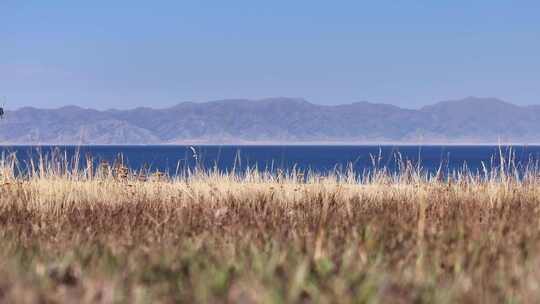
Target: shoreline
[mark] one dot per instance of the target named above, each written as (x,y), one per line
(274,144)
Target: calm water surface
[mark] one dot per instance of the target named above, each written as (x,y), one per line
(321,159)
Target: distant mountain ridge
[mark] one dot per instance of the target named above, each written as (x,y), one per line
(277,120)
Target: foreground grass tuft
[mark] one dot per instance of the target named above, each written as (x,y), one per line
(93,236)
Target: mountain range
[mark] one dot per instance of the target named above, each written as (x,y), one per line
(277,120)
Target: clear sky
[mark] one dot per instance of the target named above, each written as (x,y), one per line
(123,54)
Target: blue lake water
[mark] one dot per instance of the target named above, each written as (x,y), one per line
(320,159)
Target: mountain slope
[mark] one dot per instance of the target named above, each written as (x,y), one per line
(483,119)
(471,120)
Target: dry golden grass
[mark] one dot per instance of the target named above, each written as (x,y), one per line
(102,235)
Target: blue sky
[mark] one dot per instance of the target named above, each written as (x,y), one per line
(123,54)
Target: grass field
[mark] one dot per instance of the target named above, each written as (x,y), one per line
(107,235)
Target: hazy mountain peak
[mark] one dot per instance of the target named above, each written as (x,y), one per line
(283,100)
(469,103)
(71,108)
(279,119)
(371,104)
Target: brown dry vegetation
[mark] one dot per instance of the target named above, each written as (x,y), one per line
(96,236)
